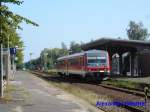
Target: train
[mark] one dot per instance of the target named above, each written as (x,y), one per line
(92,63)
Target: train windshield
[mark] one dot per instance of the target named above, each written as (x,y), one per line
(97,60)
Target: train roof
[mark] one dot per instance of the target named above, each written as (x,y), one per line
(81,54)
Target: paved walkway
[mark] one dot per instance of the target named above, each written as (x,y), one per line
(33,94)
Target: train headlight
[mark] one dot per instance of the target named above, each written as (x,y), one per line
(108,71)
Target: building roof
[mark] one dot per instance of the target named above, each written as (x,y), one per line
(117,45)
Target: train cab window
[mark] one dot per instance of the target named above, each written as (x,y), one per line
(97,61)
(101,60)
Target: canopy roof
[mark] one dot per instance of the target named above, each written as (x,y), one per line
(117,45)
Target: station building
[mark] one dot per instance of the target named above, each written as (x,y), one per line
(127,57)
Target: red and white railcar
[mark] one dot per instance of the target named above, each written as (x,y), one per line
(88,63)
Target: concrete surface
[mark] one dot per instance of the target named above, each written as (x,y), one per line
(33,94)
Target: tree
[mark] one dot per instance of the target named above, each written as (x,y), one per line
(75,47)
(9,23)
(136,31)
(64,51)
(63,46)
(52,55)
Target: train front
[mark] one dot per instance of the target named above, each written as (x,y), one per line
(98,64)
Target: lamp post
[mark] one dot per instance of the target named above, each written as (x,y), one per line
(8,61)
(1,60)
(1,71)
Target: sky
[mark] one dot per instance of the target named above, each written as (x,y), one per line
(77,20)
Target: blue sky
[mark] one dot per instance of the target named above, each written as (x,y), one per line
(77,20)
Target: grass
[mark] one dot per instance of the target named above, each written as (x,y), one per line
(85,94)
(51,71)
(126,84)
(131,85)
(10,88)
(92,97)
(11,91)
(117,83)
(7,91)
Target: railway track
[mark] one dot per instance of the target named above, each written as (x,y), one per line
(113,92)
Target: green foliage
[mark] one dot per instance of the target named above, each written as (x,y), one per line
(9,24)
(48,57)
(136,31)
(64,50)
(75,47)
(63,45)
(18,2)
(10,21)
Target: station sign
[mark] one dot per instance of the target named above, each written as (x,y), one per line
(13,51)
